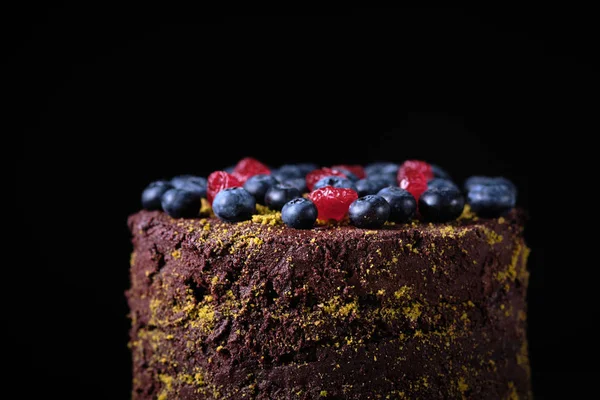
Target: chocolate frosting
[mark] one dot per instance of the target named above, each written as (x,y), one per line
(261,311)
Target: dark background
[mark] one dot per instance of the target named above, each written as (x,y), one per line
(104,100)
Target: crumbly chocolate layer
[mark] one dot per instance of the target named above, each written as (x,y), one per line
(260,311)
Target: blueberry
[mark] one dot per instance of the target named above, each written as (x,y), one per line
(403,205)
(441,205)
(234,204)
(152,194)
(365,187)
(307,167)
(441,183)
(180,179)
(476,180)
(381,168)
(229,169)
(299,213)
(258,185)
(190,183)
(349,174)
(336,182)
(491,200)
(389,179)
(288,171)
(298,183)
(439,172)
(179,203)
(279,194)
(370,211)
(487,180)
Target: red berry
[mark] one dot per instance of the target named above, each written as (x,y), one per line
(414,182)
(332,203)
(356,169)
(314,176)
(218,181)
(410,165)
(248,167)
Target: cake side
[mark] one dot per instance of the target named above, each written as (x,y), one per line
(263,311)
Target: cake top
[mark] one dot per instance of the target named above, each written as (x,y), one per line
(306,196)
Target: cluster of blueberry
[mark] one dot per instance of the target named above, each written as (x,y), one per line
(369,196)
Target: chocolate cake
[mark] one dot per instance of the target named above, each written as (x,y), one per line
(259,310)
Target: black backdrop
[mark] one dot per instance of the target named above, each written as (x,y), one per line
(107,100)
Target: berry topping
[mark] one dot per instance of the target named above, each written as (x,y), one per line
(369,211)
(403,205)
(248,167)
(218,181)
(152,194)
(234,204)
(410,190)
(298,183)
(279,194)
(332,203)
(258,185)
(299,213)
(441,183)
(415,165)
(414,181)
(441,205)
(439,172)
(190,183)
(316,175)
(385,168)
(179,203)
(336,182)
(493,198)
(357,170)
